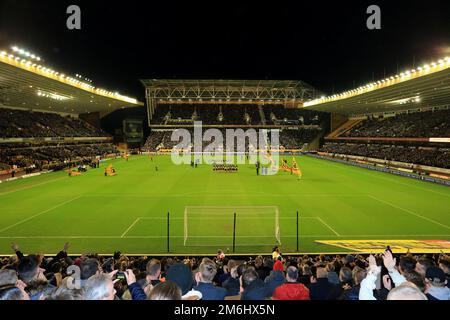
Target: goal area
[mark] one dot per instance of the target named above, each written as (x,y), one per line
(215,226)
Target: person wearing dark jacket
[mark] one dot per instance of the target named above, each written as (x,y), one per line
(232,284)
(444,264)
(252,288)
(206,274)
(358,276)
(345,284)
(274,280)
(320,288)
(137,293)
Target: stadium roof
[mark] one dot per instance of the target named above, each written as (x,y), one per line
(424,87)
(25,83)
(230,89)
(287,92)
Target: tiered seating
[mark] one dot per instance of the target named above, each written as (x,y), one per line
(208,114)
(289,139)
(430,156)
(294,139)
(21,124)
(24,155)
(417,124)
(280,115)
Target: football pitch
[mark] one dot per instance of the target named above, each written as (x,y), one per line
(128,212)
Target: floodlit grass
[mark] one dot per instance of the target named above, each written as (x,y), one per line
(128,212)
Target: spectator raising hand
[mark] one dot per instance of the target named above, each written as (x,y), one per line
(389,261)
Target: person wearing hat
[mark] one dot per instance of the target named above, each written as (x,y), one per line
(435,283)
(181,274)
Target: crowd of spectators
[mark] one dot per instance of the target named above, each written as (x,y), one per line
(384,276)
(208,114)
(280,115)
(247,114)
(54,155)
(24,124)
(288,138)
(417,124)
(429,156)
(295,139)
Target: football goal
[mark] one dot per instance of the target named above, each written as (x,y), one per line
(214,226)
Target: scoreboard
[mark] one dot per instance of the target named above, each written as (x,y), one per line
(133,131)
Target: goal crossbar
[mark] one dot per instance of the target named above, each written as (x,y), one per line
(226,212)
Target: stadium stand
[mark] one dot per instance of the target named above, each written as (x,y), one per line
(21,123)
(402,137)
(37,154)
(417,124)
(280,115)
(48,155)
(429,156)
(289,139)
(304,125)
(306,277)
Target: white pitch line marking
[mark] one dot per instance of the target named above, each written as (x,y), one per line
(129,228)
(373,173)
(215,236)
(40,213)
(326,225)
(410,212)
(31,186)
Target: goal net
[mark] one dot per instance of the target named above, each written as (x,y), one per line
(212,226)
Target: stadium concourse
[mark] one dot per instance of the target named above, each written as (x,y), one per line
(401,137)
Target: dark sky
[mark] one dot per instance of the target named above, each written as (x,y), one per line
(324,43)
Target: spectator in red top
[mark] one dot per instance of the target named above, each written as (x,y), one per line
(291,290)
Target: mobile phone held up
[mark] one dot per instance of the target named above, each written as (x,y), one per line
(120,275)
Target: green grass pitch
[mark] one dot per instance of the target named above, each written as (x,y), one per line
(128,212)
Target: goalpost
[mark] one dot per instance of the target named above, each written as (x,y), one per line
(213,226)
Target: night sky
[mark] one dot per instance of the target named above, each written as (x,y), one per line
(323,43)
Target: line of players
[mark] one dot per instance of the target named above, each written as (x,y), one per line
(225,167)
